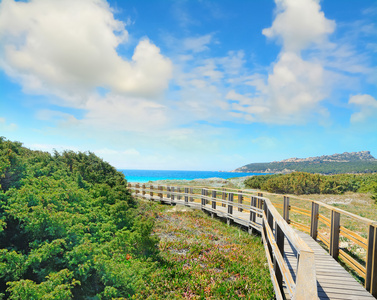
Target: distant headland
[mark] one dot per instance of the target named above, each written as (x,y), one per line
(347,162)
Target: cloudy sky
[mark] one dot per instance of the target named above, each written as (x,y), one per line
(190,85)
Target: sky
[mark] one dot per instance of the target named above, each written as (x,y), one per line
(190,85)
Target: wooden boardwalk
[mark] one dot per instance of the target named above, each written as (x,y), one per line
(333,281)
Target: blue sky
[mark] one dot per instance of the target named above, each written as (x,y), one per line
(190,85)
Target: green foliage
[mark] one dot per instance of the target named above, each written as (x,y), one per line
(58,286)
(300,183)
(203,258)
(325,167)
(69,227)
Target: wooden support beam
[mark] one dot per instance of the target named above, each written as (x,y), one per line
(213,203)
(230,208)
(191,192)
(371,261)
(203,200)
(334,234)
(253,204)
(168,195)
(172,196)
(179,197)
(186,196)
(260,201)
(143,189)
(137,186)
(279,237)
(314,221)
(240,200)
(286,209)
(223,197)
(214,199)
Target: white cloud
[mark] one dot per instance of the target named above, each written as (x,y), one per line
(299,23)
(367,105)
(119,113)
(51,147)
(7,127)
(294,88)
(52,47)
(197,44)
(52,115)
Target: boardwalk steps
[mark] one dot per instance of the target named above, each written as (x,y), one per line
(300,268)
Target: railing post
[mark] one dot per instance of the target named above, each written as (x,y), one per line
(137,191)
(240,200)
(279,237)
(230,209)
(168,195)
(179,196)
(260,201)
(151,191)
(334,234)
(186,196)
(306,281)
(160,194)
(223,197)
(172,196)
(191,192)
(269,221)
(143,192)
(371,261)
(314,221)
(253,204)
(286,209)
(213,203)
(203,200)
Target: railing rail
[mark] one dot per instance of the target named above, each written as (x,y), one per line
(332,233)
(257,213)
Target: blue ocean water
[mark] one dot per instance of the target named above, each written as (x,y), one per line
(152,175)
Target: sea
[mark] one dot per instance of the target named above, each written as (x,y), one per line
(153,175)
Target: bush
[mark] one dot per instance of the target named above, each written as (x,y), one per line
(300,183)
(67,224)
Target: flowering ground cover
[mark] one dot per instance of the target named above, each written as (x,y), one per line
(203,258)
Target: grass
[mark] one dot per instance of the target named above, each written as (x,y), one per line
(203,258)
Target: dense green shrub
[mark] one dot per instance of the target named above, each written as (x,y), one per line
(300,183)
(69,227)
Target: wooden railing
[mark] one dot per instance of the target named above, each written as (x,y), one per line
(257,213)
(331,225)
(332,232)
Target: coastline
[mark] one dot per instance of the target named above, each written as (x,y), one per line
(236,182)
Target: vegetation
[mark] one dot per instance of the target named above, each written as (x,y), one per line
(300,183)
(354,162)
(205,259)
(313,167)
(69,228)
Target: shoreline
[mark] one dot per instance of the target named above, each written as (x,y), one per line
(236,182)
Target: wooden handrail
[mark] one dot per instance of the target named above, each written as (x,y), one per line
(273,228)
(369,272)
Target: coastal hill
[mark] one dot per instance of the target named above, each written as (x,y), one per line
(347,162)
